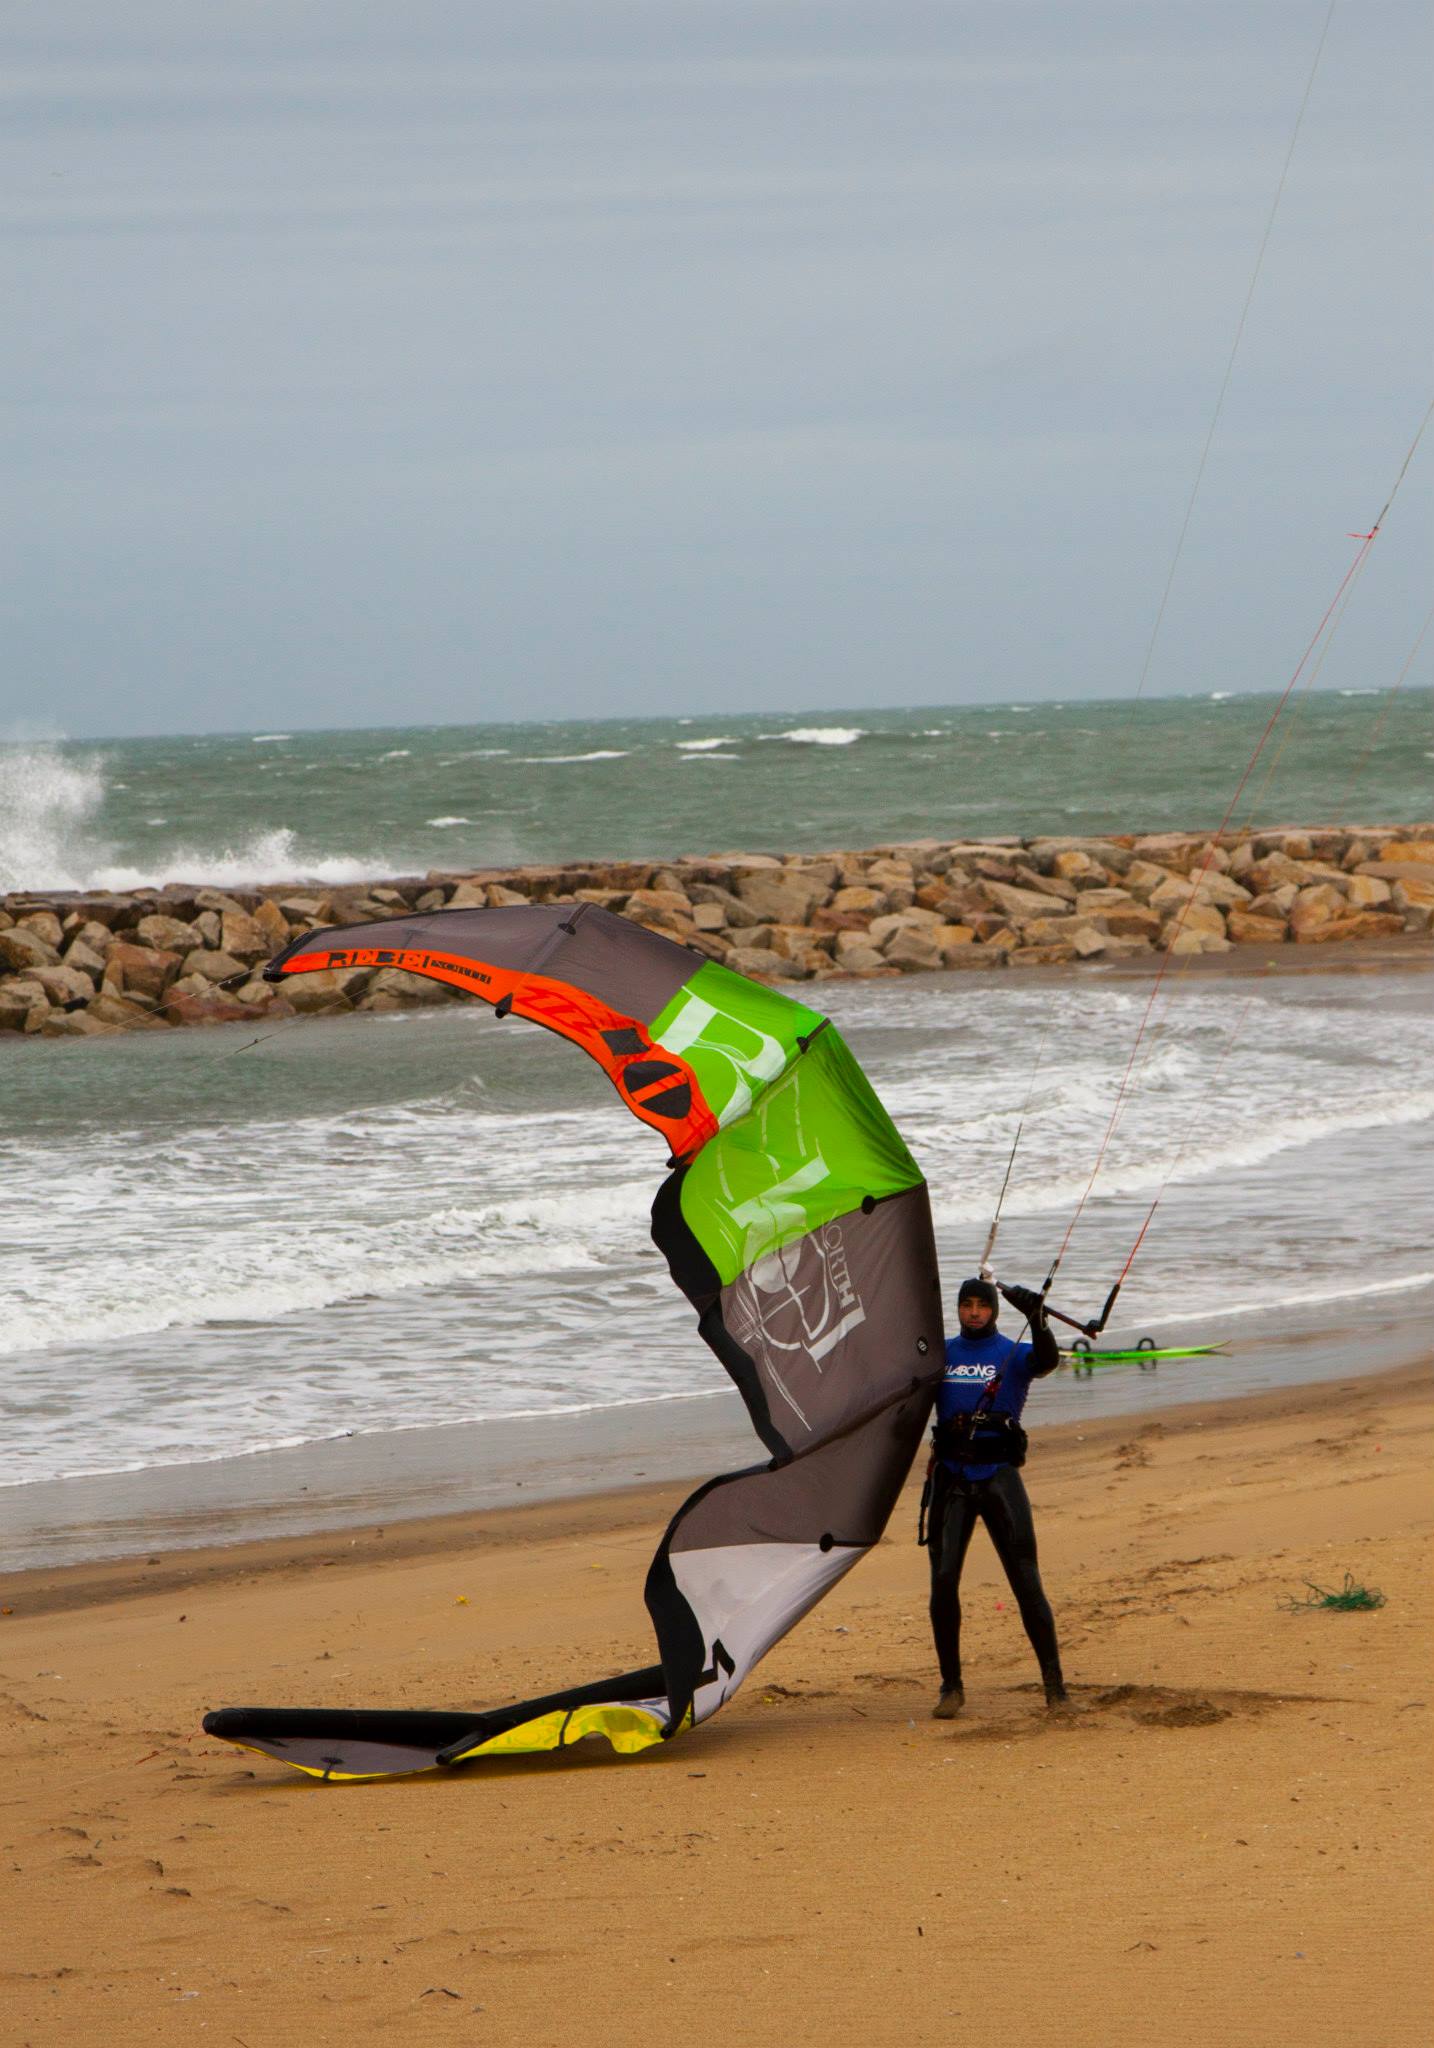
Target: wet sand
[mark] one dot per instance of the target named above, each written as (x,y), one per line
(1227,1840)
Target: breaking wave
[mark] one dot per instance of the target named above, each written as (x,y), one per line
(819,735)
(572,760)
(52,837)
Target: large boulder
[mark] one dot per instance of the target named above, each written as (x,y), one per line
(44,924)
(1211,888)
(861,900)
(328,990)
(736,914)
(74,1024)
(1051,931)
(1275,902)
(913,950)
(778,897)
(1047,853)
(24,1006)
(1142,876)
(85,961)
(1019,904)
(1368,892)
(167,934)
(21,948)
(213,966)
(1044,885)
(141,970)
(1131,921)
(1249,930)
(883,928)
(1358,924)
(1177,851)
(273,924)
(1395,870)
(862,959)
(62,985)
(244,938)
(1314,907)
(212,1008)
(1042,956)
(758,963)
(974,959)
(1191,917)
(665,909)
(108,1008)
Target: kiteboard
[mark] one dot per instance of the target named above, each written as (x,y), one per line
(1084,1359)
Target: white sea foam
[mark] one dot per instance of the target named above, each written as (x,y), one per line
(441,822)
(269,1277)
(1220,1307)
(819,735)
(268,739)
(572,760)
(1220,696)
(277,856)
(699,746)
(398,754)
(52,837)
(48,803)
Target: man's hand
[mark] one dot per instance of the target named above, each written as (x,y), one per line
(1029,1302)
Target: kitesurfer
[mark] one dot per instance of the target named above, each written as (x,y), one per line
(978,1443)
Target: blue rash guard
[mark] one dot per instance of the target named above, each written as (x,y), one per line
(971,1364)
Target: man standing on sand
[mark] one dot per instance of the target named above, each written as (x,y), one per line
(978,1445)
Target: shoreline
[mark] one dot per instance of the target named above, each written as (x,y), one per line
(387,1530)
(76,965)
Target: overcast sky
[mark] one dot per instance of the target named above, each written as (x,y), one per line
(370,365)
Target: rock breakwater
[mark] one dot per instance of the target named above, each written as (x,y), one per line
(150,959)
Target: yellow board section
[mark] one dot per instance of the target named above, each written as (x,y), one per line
(628,1729)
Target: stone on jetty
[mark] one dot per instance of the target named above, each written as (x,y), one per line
(75,966)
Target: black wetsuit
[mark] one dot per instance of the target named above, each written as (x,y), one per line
(964,1493)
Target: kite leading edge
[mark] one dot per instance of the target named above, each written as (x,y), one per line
(796,1223)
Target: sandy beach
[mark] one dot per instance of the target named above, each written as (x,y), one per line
(1227,1839)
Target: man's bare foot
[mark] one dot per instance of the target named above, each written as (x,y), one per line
(949,1705)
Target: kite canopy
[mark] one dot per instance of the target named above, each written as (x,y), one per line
(795,1221)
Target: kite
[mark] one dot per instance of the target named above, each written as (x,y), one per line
(797,1224)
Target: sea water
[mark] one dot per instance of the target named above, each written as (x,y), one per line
(224,1243)
(339,806)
